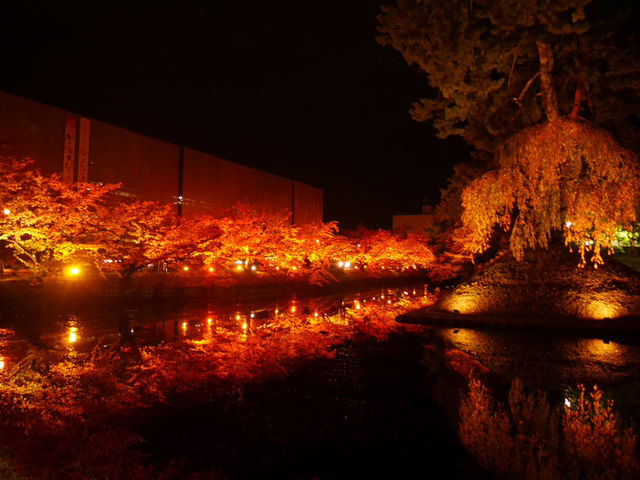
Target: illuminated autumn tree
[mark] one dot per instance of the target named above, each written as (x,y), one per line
(518,81)
(381,249)
(562,176)
(46,222)
(251,235)
(127,232)
(183,240)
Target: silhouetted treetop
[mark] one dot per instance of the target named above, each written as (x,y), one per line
(484,58)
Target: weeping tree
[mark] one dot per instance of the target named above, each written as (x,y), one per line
(561,176)
(533,86)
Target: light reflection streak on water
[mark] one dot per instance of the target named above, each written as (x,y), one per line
(77,333)
(545,360)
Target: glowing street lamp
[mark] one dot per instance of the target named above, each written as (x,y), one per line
(6,211)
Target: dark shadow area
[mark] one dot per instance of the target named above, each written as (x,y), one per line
(366,413)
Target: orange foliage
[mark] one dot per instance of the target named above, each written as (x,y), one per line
(68,393)
(52,223)
(595,439)
(563,176)
(527,440)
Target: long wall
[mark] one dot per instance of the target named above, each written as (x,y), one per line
(83,149)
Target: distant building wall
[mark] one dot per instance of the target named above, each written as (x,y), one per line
(34,130)
(412,223)
(147,168)
(211,183)
(308,203)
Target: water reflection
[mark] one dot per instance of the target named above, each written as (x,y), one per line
(547,361)
(169,323)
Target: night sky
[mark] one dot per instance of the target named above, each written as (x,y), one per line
(300,89)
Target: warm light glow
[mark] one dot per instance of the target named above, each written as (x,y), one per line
(599,310)
(238,317)
(184,325)
(295,268)
(185,268)
(315,314)
(357,306)
(6,211)
(568,224)
(253,268)
(340,264)
(462,304)
(211,269)
(73,334)
(293,309)
(1,364)
(252,315)
(602,351)
(72,271)
(239,267)
(347,264)
(244,325)
(317,241)
(209,320)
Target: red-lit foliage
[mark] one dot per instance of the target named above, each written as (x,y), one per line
(595,439)
(50,224)
(54,408)
(532,439)
(564,176)
(46,222)
(127,233)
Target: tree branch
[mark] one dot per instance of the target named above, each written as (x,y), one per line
(526,87)
(577,102)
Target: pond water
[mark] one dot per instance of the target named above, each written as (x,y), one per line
(548,361)
(366,412)
(83,329)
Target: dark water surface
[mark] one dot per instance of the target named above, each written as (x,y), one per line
(368,412)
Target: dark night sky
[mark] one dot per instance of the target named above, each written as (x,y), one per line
(300,89)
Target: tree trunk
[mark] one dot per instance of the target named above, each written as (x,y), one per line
(546,81)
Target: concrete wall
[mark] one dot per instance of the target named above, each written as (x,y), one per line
(147,168)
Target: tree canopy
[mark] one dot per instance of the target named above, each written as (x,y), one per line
(482,59)
(534,86)
(562,175)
